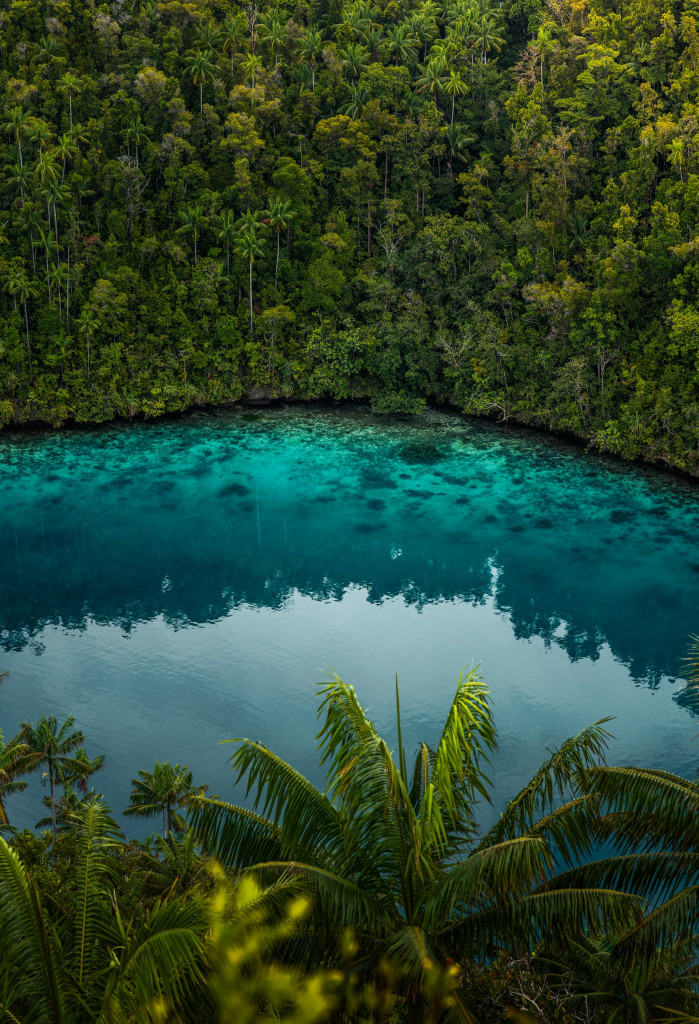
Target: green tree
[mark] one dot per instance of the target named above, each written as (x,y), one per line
(192,220)
(19,123)
(455,86)
(70,85)
(15,760)
(53,745)
(22,288)
(225,228)
(164,791)
(248,245)
(201,68)
(397,856)
(93,957)
(87,323)
(279,215)
(310,47)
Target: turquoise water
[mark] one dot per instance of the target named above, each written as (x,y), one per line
(177,583)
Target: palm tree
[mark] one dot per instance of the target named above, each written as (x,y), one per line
(457,141)
(87,324)
(15,760)
(89,956)
(251,65)
(401,43)
(225,228)
(273,34)
(432,79)
(455,86)
(397,856)
(70,84)
(355,57)
(355,104)
(234,30)
(542,45)
(163,791)
(279,215)
(192,221)
(22,288)
(247,245)
(311,45)
(487,36)
(52,745)
(65,149)
(201,67)
(48,50)
(676,155)
(137,132)
(19,122)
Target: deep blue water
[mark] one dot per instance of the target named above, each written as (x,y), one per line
(173,584)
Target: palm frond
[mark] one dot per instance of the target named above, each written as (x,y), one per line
(26,948)
(552,782)
(236,836)
(306,818)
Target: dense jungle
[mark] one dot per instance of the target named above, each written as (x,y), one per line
(491,206)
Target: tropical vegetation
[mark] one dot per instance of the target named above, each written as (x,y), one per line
(379,897)
(489,205)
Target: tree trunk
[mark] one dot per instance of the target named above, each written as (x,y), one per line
(276,265)
(29,351)
(53,802)
(250,295)
(88,354)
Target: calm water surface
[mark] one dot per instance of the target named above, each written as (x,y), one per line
(175,584)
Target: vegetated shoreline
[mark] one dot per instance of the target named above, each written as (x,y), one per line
(255,400)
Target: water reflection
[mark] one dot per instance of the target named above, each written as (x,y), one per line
(191,520)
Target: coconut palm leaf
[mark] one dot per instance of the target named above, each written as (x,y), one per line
(305,817)
(34,991)
(238,837)
(651,876)
(337,898)
(552,782)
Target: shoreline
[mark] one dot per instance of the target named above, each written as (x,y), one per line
(261,402)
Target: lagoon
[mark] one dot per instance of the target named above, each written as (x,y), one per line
(176,583)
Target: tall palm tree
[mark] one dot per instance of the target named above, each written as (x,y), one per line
(87,323)
(432,79)
(192,222)
(65,149)
(273,34)
(397,857)
(137,132)
(22,288)
(53,745)
(225,228)
(279,216)
(247,244)
(70,85)
(234,31)
(455,86)
(19,123)
(310,48)
(163,792)
(201,68)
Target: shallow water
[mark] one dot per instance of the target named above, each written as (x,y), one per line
(174,584)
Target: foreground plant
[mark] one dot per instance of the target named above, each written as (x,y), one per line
(398,857)
(93,954)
